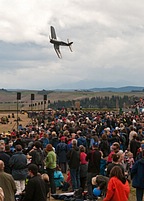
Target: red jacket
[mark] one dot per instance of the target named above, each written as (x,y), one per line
(117,191)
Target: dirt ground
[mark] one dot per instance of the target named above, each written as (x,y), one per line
(12,124)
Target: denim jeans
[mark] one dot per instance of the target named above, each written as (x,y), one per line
(139,194)
(75,178)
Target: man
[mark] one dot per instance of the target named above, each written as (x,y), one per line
(35,189)
(73,157)
(18,163)
(36,156)
(61,151)
(7,184)
(93,158)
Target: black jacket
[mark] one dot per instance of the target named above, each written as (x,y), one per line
(94,158)
(35,190)
(73,157)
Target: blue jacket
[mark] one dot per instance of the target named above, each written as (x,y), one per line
(18,164)
(81,141)
(58,178)
(137,174)
(61,151)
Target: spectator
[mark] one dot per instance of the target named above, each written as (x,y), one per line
(132,133)
(137,174)
(35,189)
(61,151)
(135,145)
(36,156)
(73,157)
(44,140)
(58,177)
(7,184)
(115,148)
(115,162)
(104,145)
(101,182)
(118,187)
(93,158)
(45,177)
(50,163)
(18,163)
(4,157)
(83,167)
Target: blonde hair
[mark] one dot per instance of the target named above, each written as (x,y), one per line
(45,177)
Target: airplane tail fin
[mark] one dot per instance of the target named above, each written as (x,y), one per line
(69,44)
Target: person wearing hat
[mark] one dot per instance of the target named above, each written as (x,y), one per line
(50,163)
(101,182)
(35,189)
(93,157)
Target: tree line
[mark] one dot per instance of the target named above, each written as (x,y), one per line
(97,102)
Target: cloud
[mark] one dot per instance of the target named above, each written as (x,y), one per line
(107,51)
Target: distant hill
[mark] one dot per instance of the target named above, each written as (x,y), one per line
(120,89)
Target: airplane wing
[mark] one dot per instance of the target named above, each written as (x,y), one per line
(56,47)
(53,34)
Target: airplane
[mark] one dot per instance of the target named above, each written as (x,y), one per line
(57,43)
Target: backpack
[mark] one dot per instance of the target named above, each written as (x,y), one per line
(39,157)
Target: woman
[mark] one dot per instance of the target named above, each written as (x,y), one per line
(50,163)
(118,187)
(104,145)
(115,162)
(83,167)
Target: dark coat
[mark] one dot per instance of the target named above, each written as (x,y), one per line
(61,151)
(73,157)
(35,190)
(81,141)
(94,158)
(137,173)
(104,147)
(5,158)
(18,163)
(134,146)
(83,170)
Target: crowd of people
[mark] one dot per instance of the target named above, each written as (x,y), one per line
(96,150)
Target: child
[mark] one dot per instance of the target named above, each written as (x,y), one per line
(101,182)
(58,177)
(45,177)
(130,161)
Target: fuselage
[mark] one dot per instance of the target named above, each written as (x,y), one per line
(57,42)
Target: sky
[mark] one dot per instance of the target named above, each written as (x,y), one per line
(108,44)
